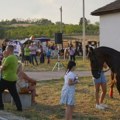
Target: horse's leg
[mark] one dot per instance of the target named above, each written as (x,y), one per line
(118,82)
(111,89)
(111,85)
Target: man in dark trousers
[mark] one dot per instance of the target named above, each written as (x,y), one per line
(9,77)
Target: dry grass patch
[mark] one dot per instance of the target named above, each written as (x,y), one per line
(48,107)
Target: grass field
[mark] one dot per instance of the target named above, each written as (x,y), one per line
(80,65)
(48,107)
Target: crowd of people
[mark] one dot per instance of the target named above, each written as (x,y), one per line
(35,53)
(32,51)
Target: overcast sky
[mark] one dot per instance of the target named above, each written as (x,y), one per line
(72,9)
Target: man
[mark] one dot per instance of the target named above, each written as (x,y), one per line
(9,77)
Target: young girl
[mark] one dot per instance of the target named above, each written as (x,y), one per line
(68,90)
(48,55)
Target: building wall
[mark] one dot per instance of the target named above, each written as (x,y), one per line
(110,30)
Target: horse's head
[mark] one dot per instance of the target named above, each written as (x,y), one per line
(96,64)
(108,55)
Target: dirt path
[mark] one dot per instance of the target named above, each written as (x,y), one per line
(49,75)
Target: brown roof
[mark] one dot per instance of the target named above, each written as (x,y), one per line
(113,7)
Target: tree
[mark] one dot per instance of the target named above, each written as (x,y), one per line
(81,21)
(40,27)
(44,21)
(2,32)
(13,21)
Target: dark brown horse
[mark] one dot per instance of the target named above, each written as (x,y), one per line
(100,55)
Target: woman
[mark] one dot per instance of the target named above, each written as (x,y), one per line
(25,83)
(100,82)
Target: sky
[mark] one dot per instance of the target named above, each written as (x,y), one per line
(50,9)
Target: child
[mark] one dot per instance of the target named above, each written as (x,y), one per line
(68,90)
(48,54)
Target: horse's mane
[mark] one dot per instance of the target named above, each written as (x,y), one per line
(107,50)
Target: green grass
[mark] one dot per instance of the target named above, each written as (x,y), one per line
(48,107)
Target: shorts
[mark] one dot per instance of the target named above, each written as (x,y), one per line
(102,79)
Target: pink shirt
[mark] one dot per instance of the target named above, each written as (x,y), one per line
(72,51)
(33,50)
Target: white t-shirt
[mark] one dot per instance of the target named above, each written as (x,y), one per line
(69,76)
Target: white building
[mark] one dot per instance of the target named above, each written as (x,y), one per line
(109,24)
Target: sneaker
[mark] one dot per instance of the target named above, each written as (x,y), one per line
(104,105)
(100,107)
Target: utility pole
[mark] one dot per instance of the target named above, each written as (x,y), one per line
(61,31)
(61,19)
(59,64)
(83,41)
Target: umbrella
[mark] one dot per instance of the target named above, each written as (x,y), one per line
(43,39)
